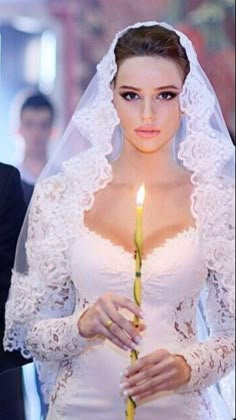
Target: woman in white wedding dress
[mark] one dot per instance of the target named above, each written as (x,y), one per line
(149,116)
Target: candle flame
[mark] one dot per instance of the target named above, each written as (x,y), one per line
(141,196)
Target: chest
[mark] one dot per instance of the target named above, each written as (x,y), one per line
(169,272)
(165,214)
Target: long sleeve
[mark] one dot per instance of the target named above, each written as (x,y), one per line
(213,359)
(56,339)
(42,311)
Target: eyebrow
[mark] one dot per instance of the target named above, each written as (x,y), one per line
(156,89)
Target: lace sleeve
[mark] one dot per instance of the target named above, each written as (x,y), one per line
(213,359)
(41,318)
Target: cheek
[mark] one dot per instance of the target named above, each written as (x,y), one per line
(126,112)
(172,114)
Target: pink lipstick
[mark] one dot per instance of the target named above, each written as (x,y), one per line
(147,132)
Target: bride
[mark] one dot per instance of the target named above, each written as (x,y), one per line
(149,116)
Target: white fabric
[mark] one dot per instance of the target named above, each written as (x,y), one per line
(63,288)
(45,303)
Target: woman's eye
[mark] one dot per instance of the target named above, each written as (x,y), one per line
(167,96)
(130,96)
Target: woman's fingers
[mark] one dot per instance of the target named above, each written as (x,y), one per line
(151,385)
(109,336)
(159,371)
(147,361)
(121,327)
(122,302)
(166,386)
(105,319)
(149,372)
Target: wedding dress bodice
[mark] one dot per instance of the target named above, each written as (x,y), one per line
(173,276)
(69,267)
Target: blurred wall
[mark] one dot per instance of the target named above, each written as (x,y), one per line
(86,28)
(30,59)
(209,24)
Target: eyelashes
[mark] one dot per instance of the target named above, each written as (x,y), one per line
(167,95)
(130,96)
(133,96)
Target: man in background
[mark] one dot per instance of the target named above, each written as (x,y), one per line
(12,212)
(36,123)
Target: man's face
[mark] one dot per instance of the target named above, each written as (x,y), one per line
(35,128)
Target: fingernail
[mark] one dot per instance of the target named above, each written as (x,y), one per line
(142,314)
(127,392)
(124,385)
(138,340)
(133,346)
(126,348)
(124,373)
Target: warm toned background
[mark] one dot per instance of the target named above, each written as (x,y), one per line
(210,24)
(84,29)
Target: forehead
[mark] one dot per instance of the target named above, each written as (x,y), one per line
(36,114)
(142,71)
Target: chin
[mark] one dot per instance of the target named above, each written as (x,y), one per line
(151,148)
(150,151)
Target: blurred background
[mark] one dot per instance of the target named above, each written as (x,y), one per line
(54,45)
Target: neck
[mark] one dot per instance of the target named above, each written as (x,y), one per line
(35,164)
(135,168)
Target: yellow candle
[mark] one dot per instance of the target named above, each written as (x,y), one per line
(130,407)
(139,218)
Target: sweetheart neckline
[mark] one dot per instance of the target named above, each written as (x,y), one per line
(172,239)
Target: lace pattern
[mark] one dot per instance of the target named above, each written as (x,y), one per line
(184,325)
(215,358)
(40,313)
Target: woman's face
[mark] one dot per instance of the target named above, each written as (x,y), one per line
(146,97)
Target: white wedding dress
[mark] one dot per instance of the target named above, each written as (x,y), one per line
(67,267)
(173,276)
(70,267)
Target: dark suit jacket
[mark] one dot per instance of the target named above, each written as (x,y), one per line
(12,212)
(28,190)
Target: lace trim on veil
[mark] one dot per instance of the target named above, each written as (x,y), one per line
(203,152)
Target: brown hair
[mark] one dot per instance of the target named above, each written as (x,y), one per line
(152,41)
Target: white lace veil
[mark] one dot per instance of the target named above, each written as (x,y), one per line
(202,145)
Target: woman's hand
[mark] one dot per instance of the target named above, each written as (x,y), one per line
(159,371)
(104,319)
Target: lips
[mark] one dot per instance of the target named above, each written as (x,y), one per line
(147,131)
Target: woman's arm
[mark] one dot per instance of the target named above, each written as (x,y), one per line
(198,366)
(213,359)
(40,312)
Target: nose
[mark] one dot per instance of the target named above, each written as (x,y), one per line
(147,110)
